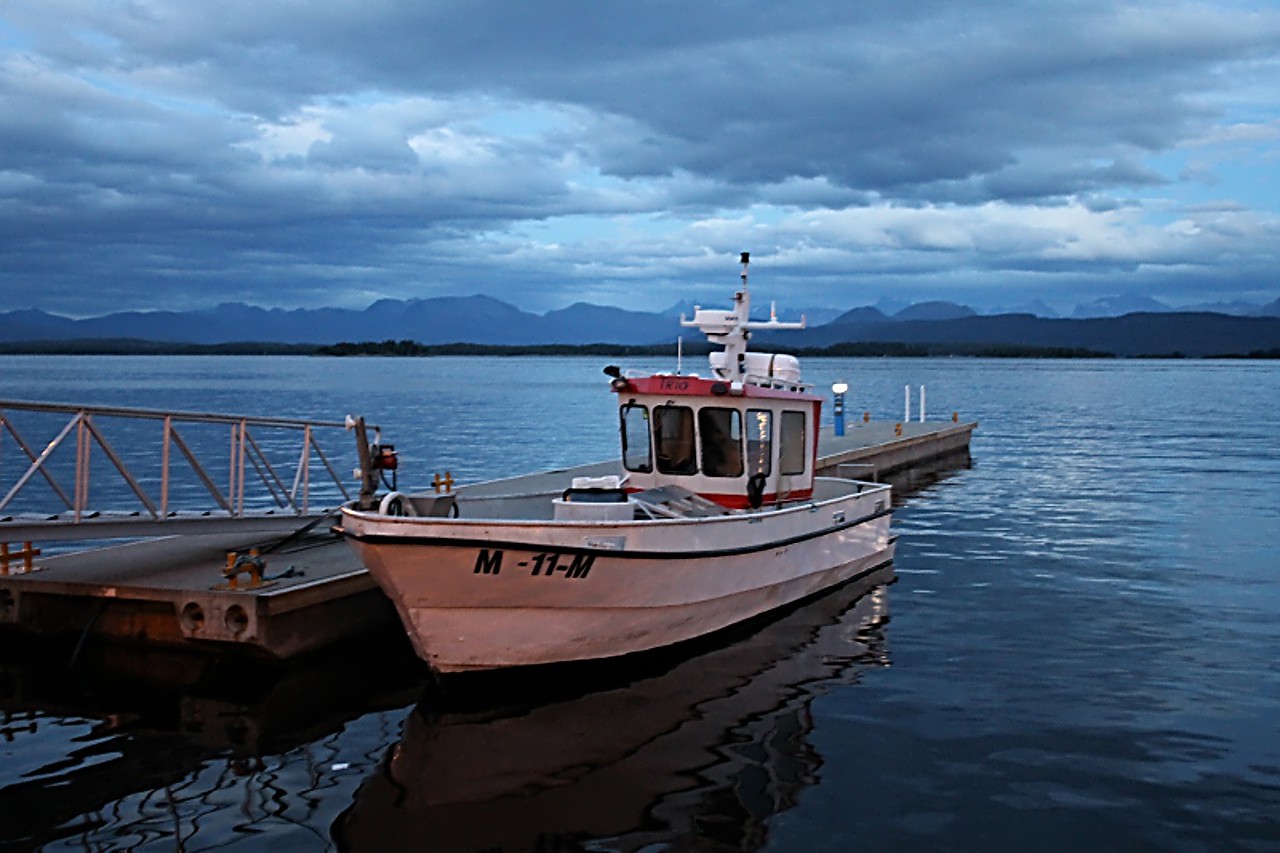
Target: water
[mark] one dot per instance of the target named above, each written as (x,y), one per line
(1078,646)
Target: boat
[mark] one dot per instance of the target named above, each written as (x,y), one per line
(714,516)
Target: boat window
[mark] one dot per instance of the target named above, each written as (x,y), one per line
(673,439)
(635,438)
(759,441)
(791,455)
(721,431)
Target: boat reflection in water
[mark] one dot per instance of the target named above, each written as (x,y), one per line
(701,747)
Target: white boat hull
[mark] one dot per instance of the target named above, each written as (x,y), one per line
(484,594)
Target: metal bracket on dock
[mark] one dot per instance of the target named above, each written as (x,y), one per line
(26,554)
(250,563)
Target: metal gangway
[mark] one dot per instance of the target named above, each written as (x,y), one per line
(144,472)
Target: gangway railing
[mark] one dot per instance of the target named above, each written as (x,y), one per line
(267,464)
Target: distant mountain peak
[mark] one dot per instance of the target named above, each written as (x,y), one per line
(1034,307)
(935,310)
(1271,309)
(865,314)
(1119,305)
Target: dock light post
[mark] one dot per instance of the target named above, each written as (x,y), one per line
(838,390)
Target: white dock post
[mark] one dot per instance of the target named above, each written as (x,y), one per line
(906,404)
(921,404)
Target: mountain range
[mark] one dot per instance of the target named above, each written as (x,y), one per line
(485,320)
(1140,334)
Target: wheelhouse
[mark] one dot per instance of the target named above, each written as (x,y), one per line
(739,444)
(742,438)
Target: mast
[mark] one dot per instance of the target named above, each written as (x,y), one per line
(731,329)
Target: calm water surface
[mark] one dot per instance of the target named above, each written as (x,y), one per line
(1078,646)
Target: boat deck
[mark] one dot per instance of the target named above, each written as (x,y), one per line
(172,591)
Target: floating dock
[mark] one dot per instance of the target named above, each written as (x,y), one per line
(310,591)
(879,450)
(171,591)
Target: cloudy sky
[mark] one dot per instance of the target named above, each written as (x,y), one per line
(158,154)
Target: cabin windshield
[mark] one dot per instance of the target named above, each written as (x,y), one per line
(636,454)
(759,441)
(792,454)
(673,439)
(721,432)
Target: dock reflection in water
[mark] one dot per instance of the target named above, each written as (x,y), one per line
(155,750)
(702,747)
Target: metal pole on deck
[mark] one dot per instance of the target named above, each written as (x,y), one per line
(368,478)
(305,469)
(231,472)
(165,434)
(240,454)
(82,465)
(921,404)
(906,404)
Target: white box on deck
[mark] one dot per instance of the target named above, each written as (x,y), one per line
(593,510)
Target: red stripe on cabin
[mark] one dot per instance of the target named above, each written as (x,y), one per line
(696,386)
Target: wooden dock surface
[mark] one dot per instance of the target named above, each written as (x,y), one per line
(171,591)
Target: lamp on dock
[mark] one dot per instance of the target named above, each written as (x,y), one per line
(839,389)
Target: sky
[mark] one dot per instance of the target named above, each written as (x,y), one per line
(177,155)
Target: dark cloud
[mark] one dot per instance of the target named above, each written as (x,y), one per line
(164,155)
